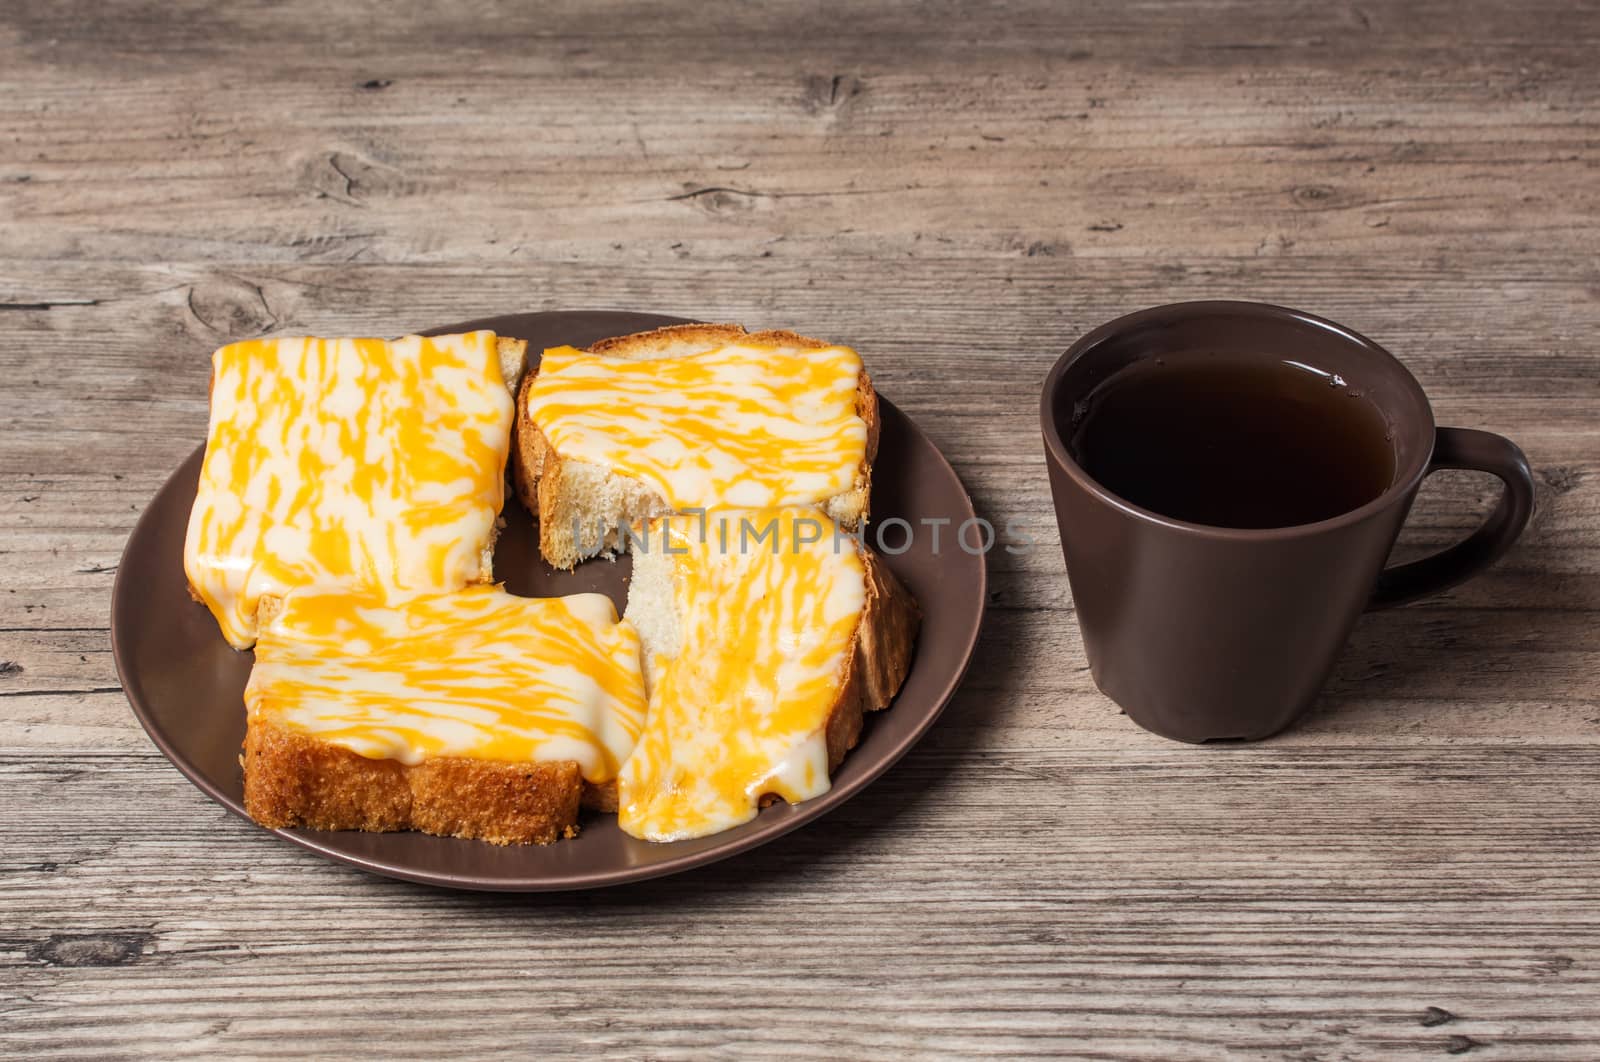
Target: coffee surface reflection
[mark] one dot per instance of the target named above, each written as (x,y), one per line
(1234,442)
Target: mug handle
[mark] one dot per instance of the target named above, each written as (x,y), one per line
(1475,451)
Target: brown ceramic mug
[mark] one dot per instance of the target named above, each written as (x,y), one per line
(1204,632)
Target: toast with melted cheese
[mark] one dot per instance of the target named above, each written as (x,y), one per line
(471,714)
(376,465)
(344,527)
(766,636)
(686,418)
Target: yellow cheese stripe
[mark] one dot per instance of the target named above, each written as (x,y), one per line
(745,425)
(476,673)
(359,463)
(741,709)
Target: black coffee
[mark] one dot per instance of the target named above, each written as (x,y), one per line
(1233,442)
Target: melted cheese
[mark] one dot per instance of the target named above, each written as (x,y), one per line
(476,673)
(361,463)
(746,425)
(740,710)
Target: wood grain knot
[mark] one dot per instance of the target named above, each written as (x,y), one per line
(351,178)
(91,949)
(718,200)
(1436,1016)
(826,94)
(231,308)
(1036,248)
(1561,479)
(1554,966)
(1314,196)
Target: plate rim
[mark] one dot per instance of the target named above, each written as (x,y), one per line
(801,815)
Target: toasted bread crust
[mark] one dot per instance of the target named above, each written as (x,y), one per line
(540,475)
(656,339)
(293,779)
(880,659)
(601,797)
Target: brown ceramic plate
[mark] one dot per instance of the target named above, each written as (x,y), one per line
(187,685)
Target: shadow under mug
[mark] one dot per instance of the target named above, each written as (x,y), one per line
(1202,633)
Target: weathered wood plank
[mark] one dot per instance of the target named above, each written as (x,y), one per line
(1245,905)
(1045,134)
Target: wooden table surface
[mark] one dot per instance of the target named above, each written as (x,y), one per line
(959,190)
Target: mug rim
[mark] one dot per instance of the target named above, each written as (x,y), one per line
(1056,448)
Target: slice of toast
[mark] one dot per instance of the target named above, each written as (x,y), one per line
(473,714)
(371,463)
(565,493)
(292,779)
(761,656)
